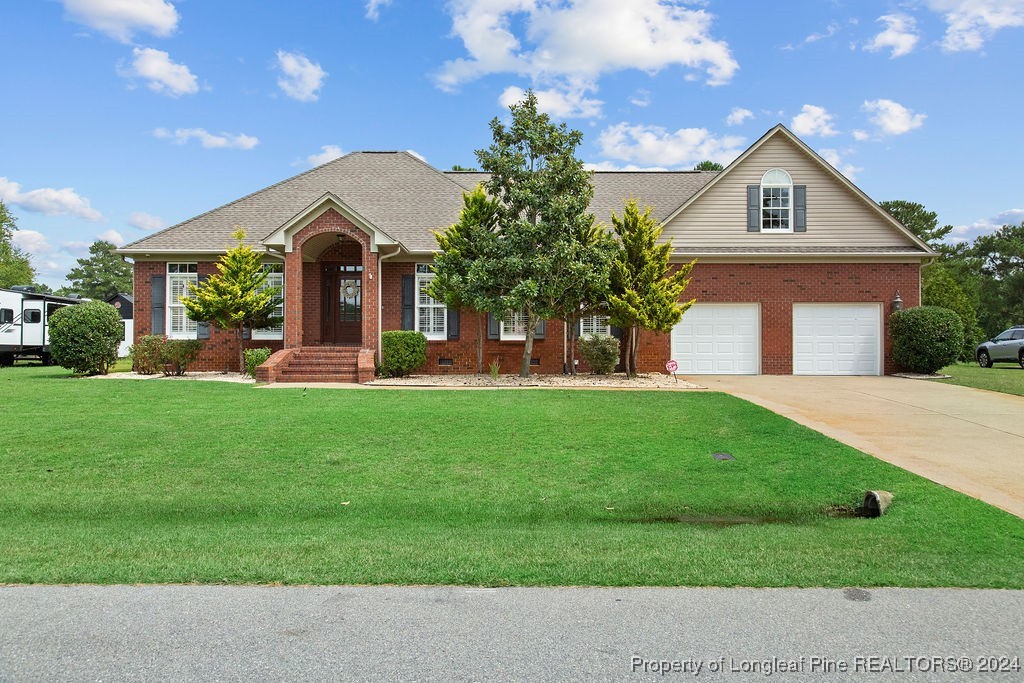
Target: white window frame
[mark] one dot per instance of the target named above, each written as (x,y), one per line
(513,327)
(424,274)
(597,323)
(186,273)
(275,278)
(775,183)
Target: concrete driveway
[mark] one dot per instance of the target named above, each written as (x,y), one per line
(967,439)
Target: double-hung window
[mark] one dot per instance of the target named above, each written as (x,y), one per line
(595,324)
(776,201)
(179,277)
(275,278)
(513,327)
(431,315)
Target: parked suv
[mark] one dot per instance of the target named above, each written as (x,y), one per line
(1008,347)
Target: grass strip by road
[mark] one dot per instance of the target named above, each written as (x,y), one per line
(123,481)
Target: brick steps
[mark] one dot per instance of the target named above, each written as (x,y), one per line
(321,364)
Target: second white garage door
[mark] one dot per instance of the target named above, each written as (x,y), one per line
(718,339)
(836,339)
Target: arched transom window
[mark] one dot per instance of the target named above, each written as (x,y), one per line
(776,201)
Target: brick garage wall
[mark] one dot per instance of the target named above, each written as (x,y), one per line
(462,352)
(776,287)
(220,351)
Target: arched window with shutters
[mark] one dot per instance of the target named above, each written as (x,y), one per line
(776,201)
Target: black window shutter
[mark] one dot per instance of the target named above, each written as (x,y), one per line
(799,208)
(246,332)
(753,208)
(617,332)
(202,329)
(158,306)
(493,327)
(541,330)
(408,302)
(453,323)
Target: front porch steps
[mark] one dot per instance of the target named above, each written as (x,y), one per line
(310,364)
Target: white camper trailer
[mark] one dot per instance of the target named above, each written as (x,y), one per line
(25,323)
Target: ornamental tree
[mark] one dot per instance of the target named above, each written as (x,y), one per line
(102,275)
(644,294)
(236,297)
(543,192)
(460,279)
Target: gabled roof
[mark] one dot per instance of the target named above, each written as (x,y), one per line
(778,130)
(394,191)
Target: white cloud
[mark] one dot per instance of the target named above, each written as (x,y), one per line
(581,40)
(75,247)
(146,221)
(208,140)
(570,103)
(112,236)
(985,226)
(892,118)
(833,157)
(301,79)
(737,116)
(373,8)
(31,241)
(655,146)
(165,76)
(900,35)
(813,120)
(969,23)
(48,201)
(327,153)
(120,19)
(829,31)
(861,135)
(641,98)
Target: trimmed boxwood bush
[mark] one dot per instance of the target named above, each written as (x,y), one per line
(255,358)
(156,353)
(402,352)
(600,351)
(926,338)
(84,337)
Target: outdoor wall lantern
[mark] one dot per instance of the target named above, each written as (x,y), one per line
(897,303)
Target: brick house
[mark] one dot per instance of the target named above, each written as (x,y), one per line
(797,268)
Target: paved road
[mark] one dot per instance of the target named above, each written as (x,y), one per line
(967,439)
(448,633)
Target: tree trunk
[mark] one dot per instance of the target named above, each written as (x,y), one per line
(480,342)
(634,348)
(571,330)
(240,332)
(531,327)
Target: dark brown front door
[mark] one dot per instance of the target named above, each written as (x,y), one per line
(342,298)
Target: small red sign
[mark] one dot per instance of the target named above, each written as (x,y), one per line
(672,366)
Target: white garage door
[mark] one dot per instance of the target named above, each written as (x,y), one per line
(718,339)
(836,339)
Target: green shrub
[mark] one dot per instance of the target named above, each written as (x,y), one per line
(600,351)
(255,358)
(146,354)
(84,337)
(402,352)
(926,338)
(177,354)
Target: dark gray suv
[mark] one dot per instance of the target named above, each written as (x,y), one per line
(1008,347)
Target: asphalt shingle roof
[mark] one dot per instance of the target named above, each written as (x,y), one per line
(399,194)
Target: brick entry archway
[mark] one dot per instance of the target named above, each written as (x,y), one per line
(329,239)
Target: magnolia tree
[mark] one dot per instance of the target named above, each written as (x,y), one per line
(541,250)
(237,296)
(644,293)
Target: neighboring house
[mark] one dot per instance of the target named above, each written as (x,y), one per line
(125,305)
(797,268)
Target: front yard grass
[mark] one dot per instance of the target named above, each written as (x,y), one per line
(122,481)
(1002,377)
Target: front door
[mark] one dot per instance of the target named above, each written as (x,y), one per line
(342,299)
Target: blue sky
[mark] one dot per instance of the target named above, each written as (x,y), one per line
(124,116)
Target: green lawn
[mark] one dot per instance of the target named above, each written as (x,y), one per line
(1009,379)
(128,481)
